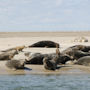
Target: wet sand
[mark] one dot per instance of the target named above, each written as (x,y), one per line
(39,69)
(9,40)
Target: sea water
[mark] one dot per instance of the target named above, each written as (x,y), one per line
(45,82)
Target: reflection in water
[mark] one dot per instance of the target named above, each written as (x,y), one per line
(45,82)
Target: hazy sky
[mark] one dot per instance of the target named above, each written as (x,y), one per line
(44,15)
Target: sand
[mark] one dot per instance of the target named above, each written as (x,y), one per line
(9,40)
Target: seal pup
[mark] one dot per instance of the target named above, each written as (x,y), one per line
(47,44)
(15,64)
(84,61)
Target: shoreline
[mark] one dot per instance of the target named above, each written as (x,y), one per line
(39,70)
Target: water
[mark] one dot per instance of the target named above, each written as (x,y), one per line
(44,82)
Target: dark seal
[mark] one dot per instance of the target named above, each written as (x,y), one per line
(47,44)
(34,58)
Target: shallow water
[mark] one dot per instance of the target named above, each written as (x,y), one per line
(45,82)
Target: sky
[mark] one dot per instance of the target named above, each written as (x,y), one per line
(44,15)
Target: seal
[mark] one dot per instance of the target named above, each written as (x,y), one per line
(48,44)
(37,58)
(78,54)
(34,58)
(84,61)
(63,58)
(49,64)
(8,55)
(15,64)
(77,51)
(19,48)
(77,47)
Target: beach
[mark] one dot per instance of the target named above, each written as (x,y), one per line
(65,39)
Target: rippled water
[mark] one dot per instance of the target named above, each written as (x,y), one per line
(44,82)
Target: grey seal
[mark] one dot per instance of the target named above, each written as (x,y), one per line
(15,64)
(77,51)
(8,55)
(49,64)
(84,61)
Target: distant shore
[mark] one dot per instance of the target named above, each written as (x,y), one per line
(43,34)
